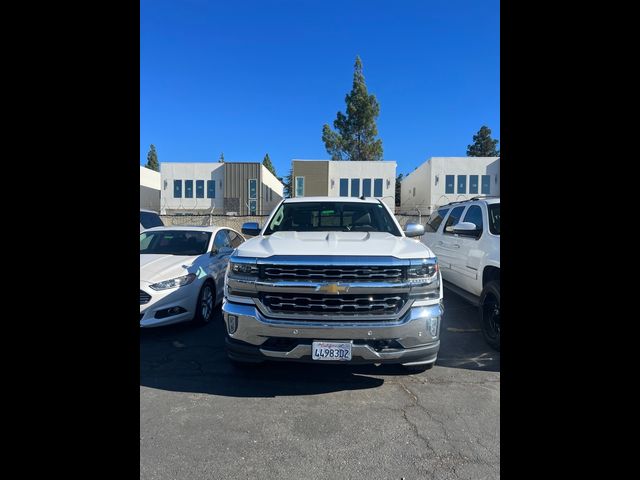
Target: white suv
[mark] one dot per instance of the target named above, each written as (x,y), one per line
(465,237)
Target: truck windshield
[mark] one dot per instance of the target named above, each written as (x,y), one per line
(332,217)
(494,218)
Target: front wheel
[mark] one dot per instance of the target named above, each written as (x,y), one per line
(206,302)
(490,305)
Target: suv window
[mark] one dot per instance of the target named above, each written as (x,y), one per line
(494,218)
(150,219)
(234,239)
(474,215)
(453,219)
(434,221)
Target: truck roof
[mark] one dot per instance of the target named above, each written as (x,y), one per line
(332,199)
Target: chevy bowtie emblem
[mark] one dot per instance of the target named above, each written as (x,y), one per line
(332,288)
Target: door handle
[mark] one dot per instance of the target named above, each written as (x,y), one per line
(440,242)
(455,245)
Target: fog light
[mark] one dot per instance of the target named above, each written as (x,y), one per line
(432,325)
(232,323)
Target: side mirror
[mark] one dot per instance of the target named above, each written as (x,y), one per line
(466,228)
(413,230)
(251,228)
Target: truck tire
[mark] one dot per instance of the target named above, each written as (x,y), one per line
(490,310)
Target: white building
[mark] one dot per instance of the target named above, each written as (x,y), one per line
(241,188)
(441,180)
(149,189)
(345,179)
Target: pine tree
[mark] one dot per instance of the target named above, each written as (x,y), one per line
(267,163)
(288,184)
(221,159)
(483,145)
(152,159)
(355,135)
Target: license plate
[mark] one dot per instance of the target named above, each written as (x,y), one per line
(340,351)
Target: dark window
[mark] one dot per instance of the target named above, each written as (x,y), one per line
(473,183)
(332,216)
(366,187)
(199,188)
(377,187)
(494,218)
(234,239)
(486,184)
(453,218)
(355,187)
(150,220)
(221,240)
(177,189)
(435,220)
(462,184)
(344,187)
(211,189)
(253,187)
(448,183)
(474,215)
(174,242)
(188,189)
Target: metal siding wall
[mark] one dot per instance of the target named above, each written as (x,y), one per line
(316,177)
(236,183)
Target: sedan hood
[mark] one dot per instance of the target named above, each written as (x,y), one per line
(158,267)
(334,243)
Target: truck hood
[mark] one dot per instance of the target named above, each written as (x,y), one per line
(333,243)
(158,267)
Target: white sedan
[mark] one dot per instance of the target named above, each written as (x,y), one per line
(182,272)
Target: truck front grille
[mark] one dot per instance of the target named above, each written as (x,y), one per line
(294,272)
(356,304)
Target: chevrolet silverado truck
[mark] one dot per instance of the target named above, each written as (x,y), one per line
(335,281)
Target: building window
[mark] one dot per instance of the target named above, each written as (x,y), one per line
(355,187)
(462,184)
(473,183)
(366,187)
(377,187)
(344,187)
(188,189)
(177,189)
(253,188)
(414,191)
(449,180)
(211,189)
(486,184)
(252,207)
(299,186)
(199,188)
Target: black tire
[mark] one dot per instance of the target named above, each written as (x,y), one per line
(490,309)
(204,313)
(418,368)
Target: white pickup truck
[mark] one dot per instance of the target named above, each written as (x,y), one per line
(465,236)
(333,280)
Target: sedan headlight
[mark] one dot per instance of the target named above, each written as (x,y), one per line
(174,282)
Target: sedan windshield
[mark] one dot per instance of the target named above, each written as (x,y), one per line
(332,217)
(174,242)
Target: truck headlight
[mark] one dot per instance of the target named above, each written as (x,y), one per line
(174,282)
(423,271)
(243,268)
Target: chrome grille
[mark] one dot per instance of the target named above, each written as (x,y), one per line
(144,297)
(356,304)
(303,272)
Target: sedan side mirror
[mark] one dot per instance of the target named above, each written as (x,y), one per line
(413,230)
(251,228)
(466,228)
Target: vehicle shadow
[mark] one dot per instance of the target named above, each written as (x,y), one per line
(186,358)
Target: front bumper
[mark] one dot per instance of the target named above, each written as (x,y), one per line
(184,297)
(411,344)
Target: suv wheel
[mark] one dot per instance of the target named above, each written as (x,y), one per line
(490,305)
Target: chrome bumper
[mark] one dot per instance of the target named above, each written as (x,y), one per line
(411,332)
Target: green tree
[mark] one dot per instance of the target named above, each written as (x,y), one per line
(221,159)
(288,184)
(398,189)
(267,163)
(355,134)
(483,145)
(152,159)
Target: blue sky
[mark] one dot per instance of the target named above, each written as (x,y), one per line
(250,77)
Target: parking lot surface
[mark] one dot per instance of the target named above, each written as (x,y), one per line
(202,419)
